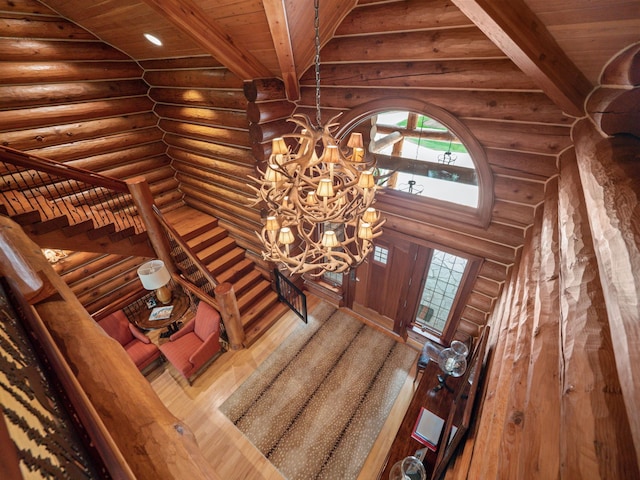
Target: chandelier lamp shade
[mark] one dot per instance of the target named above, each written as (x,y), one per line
(318,195)
(320,213)
(155,276)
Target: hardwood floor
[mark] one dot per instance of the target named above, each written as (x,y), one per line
(231,455)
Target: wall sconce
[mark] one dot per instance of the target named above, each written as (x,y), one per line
(155,276)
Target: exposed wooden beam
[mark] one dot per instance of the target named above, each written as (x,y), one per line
(516,30)
(194,22)
(279,27)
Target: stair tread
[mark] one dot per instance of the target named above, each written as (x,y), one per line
(248,297)
(206,238)
(216,250)
(246,281)
(221,262)
(258,308)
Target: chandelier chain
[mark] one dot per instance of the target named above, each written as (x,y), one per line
(316,26)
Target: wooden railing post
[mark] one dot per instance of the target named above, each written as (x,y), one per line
(142,197)
(230,313)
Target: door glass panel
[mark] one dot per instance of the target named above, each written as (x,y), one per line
(380,254)
(440,290)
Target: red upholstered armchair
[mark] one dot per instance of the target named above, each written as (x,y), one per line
(191,347)
(137,345)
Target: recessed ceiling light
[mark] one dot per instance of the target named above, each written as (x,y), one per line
(153,39)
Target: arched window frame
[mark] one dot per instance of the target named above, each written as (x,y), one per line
(479,216)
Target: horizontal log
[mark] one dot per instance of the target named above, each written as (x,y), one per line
(269,111)
(487,287)
(43,27)
(222,152)
(464,74)
(238,138)
(246,238)
(33,117)
(474,316)
(480,302)
(240,215)
(199,97)
(399,16)
(624,69)
(169,200)
(204,116)
(18,49)
(264,89)
(217,191)
(518,190)
(147,168)
(202,61)
(261,152)
(493,271)
(97,278)
(94,146)
(514,214)
(202,162)
(199,202)
(522,137)
(74,261)
(67,133)
(91,264)
(262,132)
(50,72)
(112,283)
(521,164)
(98,163)
(21,7)
(213,177)
(462,43)
(422,212)
(48,94)
(495,105)
(133,288)
(200,78)
(453,240)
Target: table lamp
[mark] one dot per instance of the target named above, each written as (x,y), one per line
(155,276)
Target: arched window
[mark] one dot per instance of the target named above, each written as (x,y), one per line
(427,155)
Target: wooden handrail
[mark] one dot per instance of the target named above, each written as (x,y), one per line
(124,400)
(186,248)
(29,160)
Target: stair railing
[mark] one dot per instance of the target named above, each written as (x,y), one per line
(198,280)
(186,260)
(54,189)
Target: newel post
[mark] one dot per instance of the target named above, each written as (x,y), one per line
(143,199)
(226,297)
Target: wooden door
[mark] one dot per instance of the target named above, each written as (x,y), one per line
(388,284)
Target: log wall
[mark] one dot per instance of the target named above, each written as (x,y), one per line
(203,111)
(520,128)
(561,393)
(69,97)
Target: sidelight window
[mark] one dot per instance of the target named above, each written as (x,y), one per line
(441,287)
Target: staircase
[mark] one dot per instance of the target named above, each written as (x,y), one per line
(60,225)
(257,301)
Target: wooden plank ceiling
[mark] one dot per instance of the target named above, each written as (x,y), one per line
(562,46)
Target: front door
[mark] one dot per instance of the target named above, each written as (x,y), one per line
(388,285)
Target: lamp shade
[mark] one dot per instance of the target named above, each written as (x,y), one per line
(272,224)
(370,215)
(325,188)
(153,275)
(329,239)
(331,154)
(365,231)
(366,180)
(286,236)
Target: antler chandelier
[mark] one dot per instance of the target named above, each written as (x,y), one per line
(319,196)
